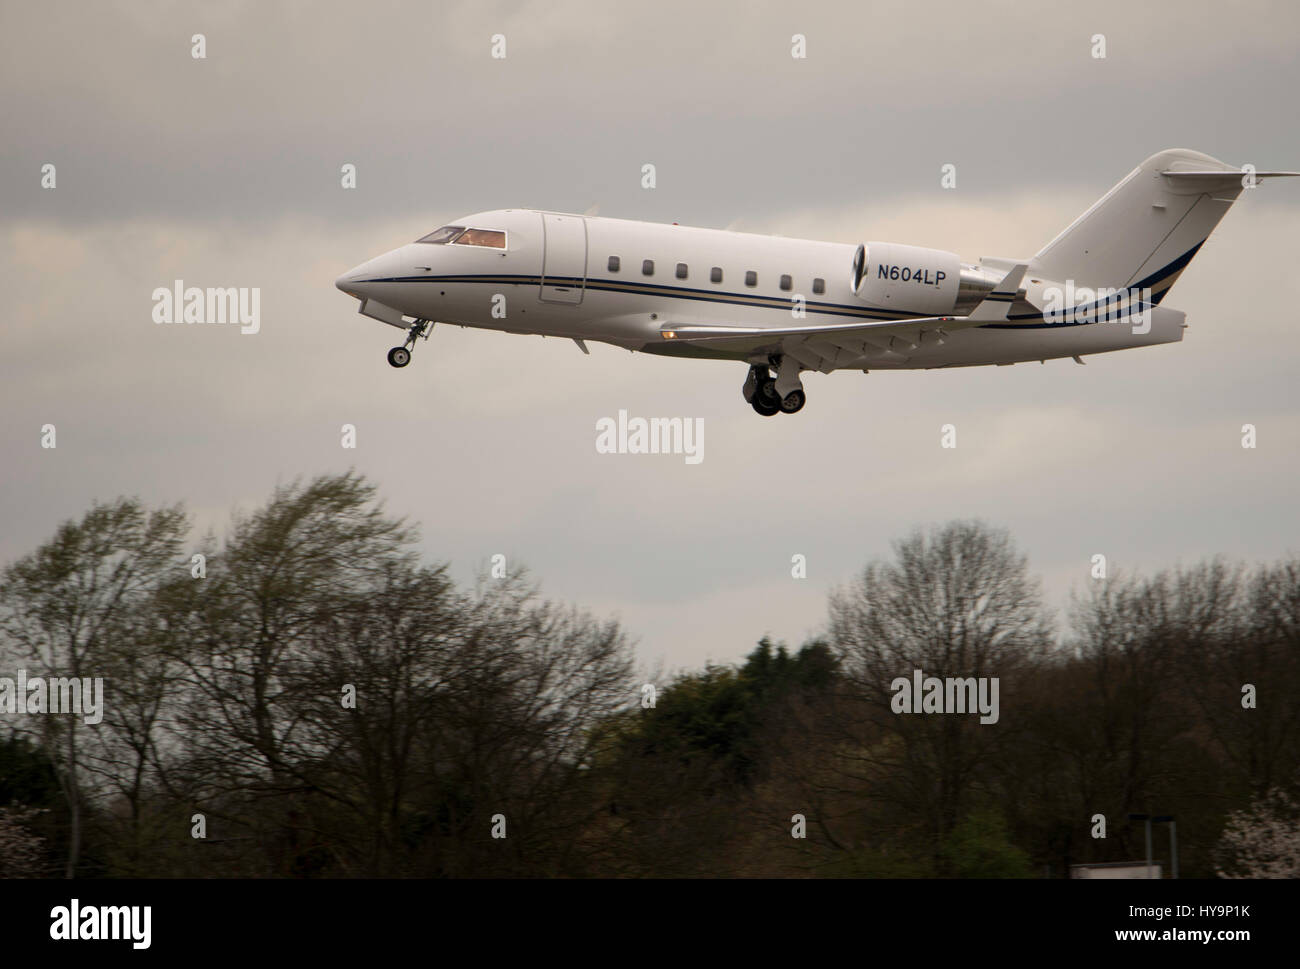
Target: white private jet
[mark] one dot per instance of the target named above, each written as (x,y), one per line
(784,306)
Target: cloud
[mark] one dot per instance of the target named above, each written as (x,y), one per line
(410,94)
(226,173)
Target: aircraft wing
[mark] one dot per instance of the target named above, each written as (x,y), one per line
(823,347)
(827,346)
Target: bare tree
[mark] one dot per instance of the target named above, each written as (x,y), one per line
(519,730)
(956,602)
(282,575)
(62,607)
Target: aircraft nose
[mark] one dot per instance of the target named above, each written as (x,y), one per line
(380,267)
(351,279)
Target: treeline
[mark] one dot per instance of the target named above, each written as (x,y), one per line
(306,698)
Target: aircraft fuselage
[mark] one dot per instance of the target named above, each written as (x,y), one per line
(621,282)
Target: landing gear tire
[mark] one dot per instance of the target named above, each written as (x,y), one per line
(760,392)
(793,402)
(401,356)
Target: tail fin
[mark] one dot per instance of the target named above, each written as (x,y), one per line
(1145,230)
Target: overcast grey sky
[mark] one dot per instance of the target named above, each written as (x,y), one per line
(225,172)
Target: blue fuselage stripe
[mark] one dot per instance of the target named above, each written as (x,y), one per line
(1026,320)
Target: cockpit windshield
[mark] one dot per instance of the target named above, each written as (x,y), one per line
(458,235)
(490,238)
(444,235)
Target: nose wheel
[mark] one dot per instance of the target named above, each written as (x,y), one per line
(401,356)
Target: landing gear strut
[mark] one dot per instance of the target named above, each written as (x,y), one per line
(783,394)
(401,356)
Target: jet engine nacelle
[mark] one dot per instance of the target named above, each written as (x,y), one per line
(910,279)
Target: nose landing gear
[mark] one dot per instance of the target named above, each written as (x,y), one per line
(401,356)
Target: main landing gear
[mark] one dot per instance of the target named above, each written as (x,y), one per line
(770,395)
(401,356)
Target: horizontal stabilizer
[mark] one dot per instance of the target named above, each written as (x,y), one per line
(1233,173)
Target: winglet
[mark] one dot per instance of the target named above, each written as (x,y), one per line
(997,303)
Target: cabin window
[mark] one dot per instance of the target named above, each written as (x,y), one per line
(613,264)
(715,274)
(487,238)
(819,285)
(786,282)
(647,267)
(681,270)
(751,278)
(442,236)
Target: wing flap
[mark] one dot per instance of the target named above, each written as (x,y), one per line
(826,346)
(724,332)
(823,347)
